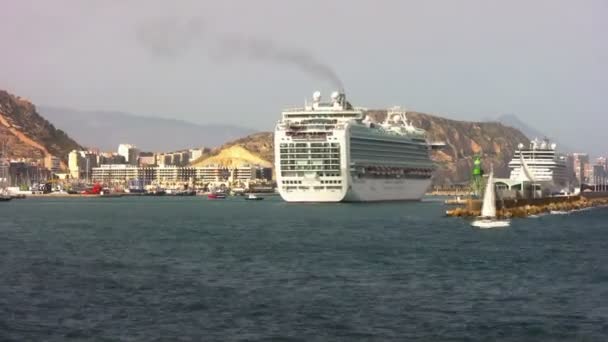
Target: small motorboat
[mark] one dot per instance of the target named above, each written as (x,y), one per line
(109,194)
(5,196)
(558,212)
(490,223)
(252,197)
(216,195)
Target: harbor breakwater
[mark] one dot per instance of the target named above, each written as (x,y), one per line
(527,207)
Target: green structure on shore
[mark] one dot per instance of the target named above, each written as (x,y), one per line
(477,181)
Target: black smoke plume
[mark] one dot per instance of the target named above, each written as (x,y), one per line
(168,38)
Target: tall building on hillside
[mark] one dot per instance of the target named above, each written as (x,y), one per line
(195,153)
(146,159)
(74,164)
(603,162)
(130,153)
(52,163)
(570,174)
(80,164)
(110,158)
(177,158)
(598,174)
(582,169)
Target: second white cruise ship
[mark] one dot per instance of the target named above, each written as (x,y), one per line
(539,163)
(330,152)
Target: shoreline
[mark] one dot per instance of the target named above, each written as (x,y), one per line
(119,195)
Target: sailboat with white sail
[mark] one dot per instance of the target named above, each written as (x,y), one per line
(488,217)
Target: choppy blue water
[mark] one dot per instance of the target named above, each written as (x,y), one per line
(171,269)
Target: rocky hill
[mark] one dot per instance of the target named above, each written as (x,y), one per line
(105,130)
(258,144)
(495,142)
(26,134)
(233,156)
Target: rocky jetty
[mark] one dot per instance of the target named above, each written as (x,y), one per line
(525,208)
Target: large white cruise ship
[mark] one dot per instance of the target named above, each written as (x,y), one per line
(539,163)
(330,152)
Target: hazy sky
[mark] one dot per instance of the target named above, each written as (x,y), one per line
(241,62)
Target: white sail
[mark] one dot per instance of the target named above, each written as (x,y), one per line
(526,171)
(488,208)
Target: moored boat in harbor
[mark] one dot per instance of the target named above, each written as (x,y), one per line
(216,195)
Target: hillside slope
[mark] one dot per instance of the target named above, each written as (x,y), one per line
(26,134)
(493,141)
(233,156)
(531,132)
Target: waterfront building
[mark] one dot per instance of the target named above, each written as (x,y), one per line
(181,158)
(74,164)
(52,163)
(581,167)
(213,173)
(599,174)
(177,158)
(170,175)
(113,173)
(195,153)
(248,172)
(110,158)
(263,173)
(24,174)
(129,152)
(570,173)
(175,174)
(162,159)
(603,162)
(146,159)
(81,163)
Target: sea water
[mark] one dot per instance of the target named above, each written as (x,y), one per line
(193,269)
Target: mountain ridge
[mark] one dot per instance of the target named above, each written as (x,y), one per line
(27,134)
(107,129)
(531,132)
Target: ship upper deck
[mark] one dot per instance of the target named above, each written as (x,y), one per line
(338,108)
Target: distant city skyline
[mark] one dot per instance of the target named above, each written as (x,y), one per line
(237,62)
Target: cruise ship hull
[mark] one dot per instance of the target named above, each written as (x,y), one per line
(374,190)
(365,190)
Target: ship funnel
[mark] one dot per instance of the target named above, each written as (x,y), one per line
(338,99)
(335,96)
(316,96)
